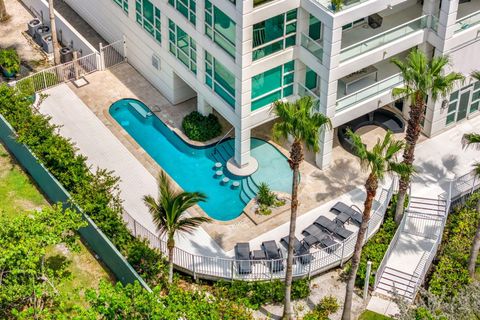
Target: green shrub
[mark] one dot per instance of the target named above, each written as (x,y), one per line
(255,294)
(10,61)
(201,128)
(450,273)
(377,246)
(323,309)
(148,262)
(265,196)
(96,193)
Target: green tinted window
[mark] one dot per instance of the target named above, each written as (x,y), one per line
(182,46)
(270,36)
(148,16)
(220,28)
(186,7)
(220,79)
(122,4)
(272,85)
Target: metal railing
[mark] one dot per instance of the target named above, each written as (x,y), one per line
(375,89)
(467,22)
(304,91)
(109,56)
(312,46)
(384,38)
(222,267)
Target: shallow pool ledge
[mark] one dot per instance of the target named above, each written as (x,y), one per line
(244,171)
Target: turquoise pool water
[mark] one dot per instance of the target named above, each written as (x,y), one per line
(193,168)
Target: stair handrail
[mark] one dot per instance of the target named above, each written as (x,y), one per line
(221,140)
(387,255)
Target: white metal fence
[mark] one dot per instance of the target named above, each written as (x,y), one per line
(108,57)
(216,268)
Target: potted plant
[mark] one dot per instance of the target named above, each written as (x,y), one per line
(9,62)
(336,5)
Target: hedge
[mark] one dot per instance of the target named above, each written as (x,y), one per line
(450,273)
(201,128)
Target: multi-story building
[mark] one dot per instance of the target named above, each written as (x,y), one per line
(237,57)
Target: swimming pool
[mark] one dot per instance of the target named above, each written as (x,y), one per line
(193,168)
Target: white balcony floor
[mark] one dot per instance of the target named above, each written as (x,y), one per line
(464,9)
(390,20)
(385,68)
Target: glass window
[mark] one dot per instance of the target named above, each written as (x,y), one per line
(220,28)
(272,85)
(314,28)
(187,8)
(220,79)
(463,102)
(182,46)
(122,4)
(274,34)
(148,16)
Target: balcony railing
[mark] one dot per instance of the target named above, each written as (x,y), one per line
(327,4)
(384,38)
(467,22)
(378,88)
(304,91)
(312,46)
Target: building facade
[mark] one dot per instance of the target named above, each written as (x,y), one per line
(237,57)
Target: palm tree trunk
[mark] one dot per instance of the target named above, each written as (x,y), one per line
(171,247)
(472,260)
(296,157)
(53,29)
(3,11)
(371,187)
(414,128)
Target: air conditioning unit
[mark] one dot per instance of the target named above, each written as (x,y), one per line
(41,31)
(66,54)
(33,25)
(47,44)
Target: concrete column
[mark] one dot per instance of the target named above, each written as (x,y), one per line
(202,106)
(446,22)
(242,147)
(200,13)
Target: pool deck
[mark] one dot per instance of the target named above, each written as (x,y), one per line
(317,187)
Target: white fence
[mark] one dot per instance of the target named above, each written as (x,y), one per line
(108,57)
(215,268)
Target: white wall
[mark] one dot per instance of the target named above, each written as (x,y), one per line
(65,31)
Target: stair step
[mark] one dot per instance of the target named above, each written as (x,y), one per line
(397,272)
(389,289)
(389,293)
(406,282)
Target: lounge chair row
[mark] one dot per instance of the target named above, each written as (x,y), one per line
(269,251)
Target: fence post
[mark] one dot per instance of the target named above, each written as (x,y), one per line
(367,280)
(134,227)
(44,81)
(194,272)
(125,47)
(75,65)
(309,268)
(343,249)
(102,57)
(233,269)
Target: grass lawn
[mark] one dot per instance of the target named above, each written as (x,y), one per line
(20,195)
(370,315)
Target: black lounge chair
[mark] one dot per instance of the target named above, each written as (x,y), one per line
(333,227)
(343,210)
(242,252)
(272,252)
(299,249)
(314,235)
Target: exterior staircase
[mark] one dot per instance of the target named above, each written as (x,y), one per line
(415,244)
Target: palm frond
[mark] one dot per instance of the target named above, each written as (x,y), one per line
(476,74)
(188,225)
(469,139)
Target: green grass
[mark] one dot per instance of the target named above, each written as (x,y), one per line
(17,192)
(370,315)
(19,195)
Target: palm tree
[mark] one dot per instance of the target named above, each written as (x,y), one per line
(380,161)
(467,140)
(53,30)
(421,78)
(3,11)
(299,121)
(169,214)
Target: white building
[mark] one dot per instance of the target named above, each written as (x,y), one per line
(238,56)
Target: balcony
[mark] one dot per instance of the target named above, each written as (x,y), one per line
(376,80)
(327,4)
(359,37)
(313,46)
(466,21)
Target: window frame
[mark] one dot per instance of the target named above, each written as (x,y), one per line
(191,55)
(210,64)
(210,30)
(156,31)
(190,6)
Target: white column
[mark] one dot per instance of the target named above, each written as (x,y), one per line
(242,147)
(202,105)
